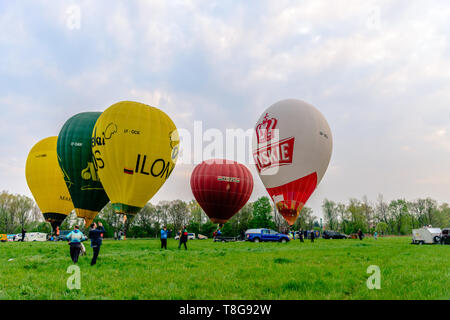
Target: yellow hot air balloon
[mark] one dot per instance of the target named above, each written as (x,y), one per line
(46,182)
(135,147)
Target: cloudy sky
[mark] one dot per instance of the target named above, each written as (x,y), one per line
(378,70)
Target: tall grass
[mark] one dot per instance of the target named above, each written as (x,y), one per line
(138,269)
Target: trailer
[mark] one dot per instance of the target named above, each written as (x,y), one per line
(225,239)
(426,235)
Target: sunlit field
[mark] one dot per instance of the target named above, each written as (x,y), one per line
(138,269)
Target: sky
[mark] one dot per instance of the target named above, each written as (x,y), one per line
(379,71)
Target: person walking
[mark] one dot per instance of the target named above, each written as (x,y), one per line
(75,238)
(312,236)
(96,236)
(375,235)
(164,235)
(183,238)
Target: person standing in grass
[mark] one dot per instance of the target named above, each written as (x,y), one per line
(164,235)
(183,238)
(300,235)
(312,236)
(360,234)
(96,236)
(75,238)
(375,235)
(23,235)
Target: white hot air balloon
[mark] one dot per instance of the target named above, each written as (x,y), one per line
(292,147)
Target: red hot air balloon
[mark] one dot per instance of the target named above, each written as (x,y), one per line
(292,148)
(221,187)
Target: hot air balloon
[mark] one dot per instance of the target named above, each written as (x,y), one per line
(77,163)
(221,187)
(292,147)
(135,147)
(46,182)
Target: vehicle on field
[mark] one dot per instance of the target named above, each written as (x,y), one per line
(222,238)
(330,234)
(426,235)
(12,237)
(201,237)
(3,237)
(35,236)
(263,235)
(445,236)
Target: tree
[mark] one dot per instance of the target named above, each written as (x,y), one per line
(398,210)
(381,227)
(6,214)
(21,208)
(330,215)
(178,213)
(357,217)
(241,220)
(262,214)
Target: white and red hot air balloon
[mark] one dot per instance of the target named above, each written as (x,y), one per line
(292,147)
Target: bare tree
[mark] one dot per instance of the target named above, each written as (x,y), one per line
(21,207)
(178,213)
(329,209)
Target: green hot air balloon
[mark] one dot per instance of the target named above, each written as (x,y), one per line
(77,163)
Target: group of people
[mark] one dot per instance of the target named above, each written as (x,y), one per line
(76,237)
(182,234)
(303,234)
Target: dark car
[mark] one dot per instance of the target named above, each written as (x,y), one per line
(329,234)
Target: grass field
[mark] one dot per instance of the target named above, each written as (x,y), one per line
(138,269)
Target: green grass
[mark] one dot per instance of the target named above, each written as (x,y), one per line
(138,269)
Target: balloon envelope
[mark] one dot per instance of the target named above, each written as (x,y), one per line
(221,187)
(46,182)
(292,147)
(77,163)
(135,147)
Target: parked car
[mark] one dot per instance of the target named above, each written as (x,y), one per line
(445,236)
(258,235)
(3,237)
(426,235)
(330,234)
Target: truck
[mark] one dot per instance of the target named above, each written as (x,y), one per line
(35,236)
(264,235)
(426,235)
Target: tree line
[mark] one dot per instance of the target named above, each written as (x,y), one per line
(397,217)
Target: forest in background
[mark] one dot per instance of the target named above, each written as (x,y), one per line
(397,217)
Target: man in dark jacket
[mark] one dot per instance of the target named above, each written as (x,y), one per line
(96,236)
(312,236)
(360,234)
